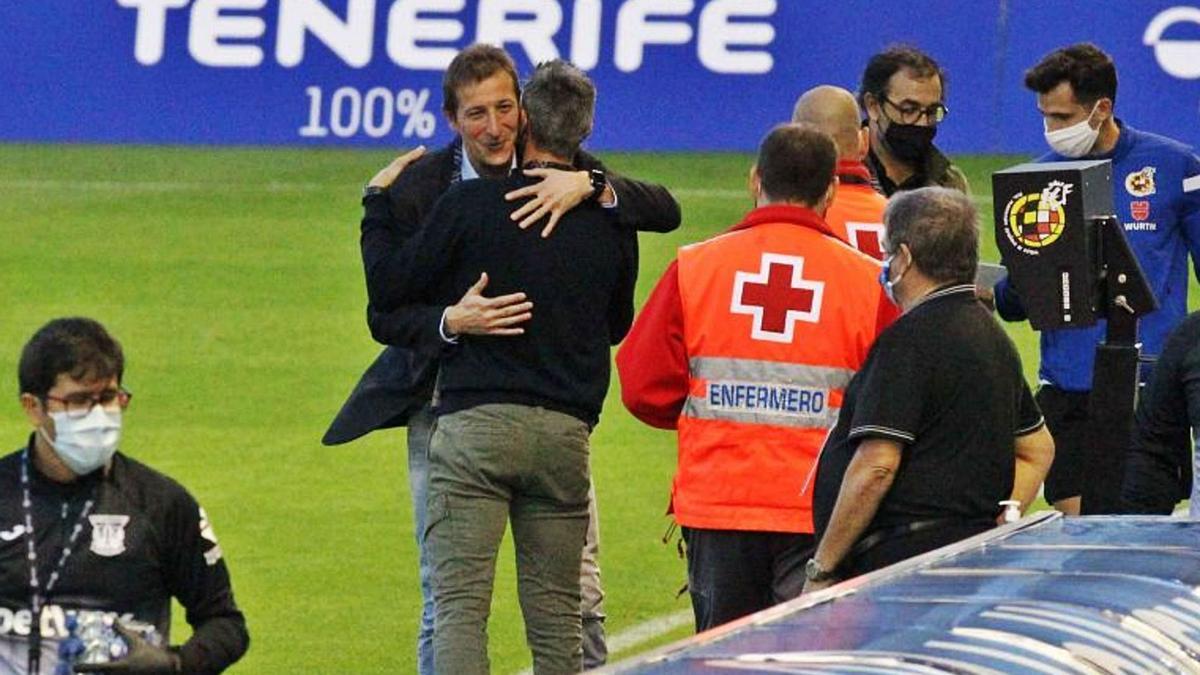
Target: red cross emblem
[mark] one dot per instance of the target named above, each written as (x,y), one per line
(866,237)
(777,296)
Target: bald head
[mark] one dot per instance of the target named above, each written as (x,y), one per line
(834,111)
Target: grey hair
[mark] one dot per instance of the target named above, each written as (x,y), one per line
(559,102)
(941,229)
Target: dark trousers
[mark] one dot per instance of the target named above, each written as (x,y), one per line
(1068,419)
(891,550)
(733,573)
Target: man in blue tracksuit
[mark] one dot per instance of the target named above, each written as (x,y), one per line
(1156,186)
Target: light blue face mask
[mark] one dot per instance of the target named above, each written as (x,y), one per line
(889,286)
(85,443)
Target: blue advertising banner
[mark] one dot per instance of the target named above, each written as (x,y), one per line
(672,74)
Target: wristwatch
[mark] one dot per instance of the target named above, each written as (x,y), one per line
(372,190)
(814,571)
(599,182)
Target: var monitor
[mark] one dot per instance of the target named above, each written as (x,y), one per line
(1047,230)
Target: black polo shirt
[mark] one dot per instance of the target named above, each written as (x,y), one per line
(946,382)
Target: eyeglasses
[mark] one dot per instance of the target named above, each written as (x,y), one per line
(911,113)
(80,404)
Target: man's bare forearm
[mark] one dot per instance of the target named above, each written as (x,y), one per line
(867,480)
(1034,454)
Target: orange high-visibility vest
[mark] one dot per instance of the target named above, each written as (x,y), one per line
(778,314)
(856,214)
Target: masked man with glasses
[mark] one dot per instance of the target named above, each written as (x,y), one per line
(90,538)
(902,92)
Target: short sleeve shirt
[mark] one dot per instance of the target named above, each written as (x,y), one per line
(946,383)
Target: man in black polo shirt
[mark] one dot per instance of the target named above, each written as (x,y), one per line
(515,412)
(939,426)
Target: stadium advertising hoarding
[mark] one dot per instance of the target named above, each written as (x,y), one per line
(672,74)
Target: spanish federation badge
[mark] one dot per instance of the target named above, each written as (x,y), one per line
(1141,183)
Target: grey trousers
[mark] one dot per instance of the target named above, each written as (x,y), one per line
(595,646)
(489,465)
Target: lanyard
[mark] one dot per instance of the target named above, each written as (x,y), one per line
(38,595)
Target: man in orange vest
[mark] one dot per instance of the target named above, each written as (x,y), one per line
(745,347)
(856,214)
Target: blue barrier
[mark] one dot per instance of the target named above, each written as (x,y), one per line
(672,74)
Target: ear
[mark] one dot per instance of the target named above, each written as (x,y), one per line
(871,105)
(831,193)
(450,120)
(864,143)
(905,254)
(33,409)
(1105,109)
(754,183)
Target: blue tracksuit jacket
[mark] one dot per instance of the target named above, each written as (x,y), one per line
(1156,194)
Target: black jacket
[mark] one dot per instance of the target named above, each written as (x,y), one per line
(1158,469)
(935,170)
(161,547)
(400,380)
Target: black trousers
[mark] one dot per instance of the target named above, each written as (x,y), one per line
(733,573)
(1068,418)
(893,549)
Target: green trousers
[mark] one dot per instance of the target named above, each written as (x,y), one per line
(489,465)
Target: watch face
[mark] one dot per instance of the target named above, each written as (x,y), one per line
(813,570)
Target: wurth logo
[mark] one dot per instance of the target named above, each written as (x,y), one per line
(777,296)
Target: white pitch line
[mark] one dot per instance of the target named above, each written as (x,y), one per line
(643,632)
(165,186)
(205,186)
(648,630)
(297,186)
(711,193)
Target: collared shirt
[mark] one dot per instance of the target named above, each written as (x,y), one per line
(946,383)
(935,170)
(468,170)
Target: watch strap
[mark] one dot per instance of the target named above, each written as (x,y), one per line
(599,181)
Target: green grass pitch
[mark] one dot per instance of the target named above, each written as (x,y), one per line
(233,279)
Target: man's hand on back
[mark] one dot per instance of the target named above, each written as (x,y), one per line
(388,174)
(554,195)
(477,315)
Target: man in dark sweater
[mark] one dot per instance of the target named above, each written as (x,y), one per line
(516,411)
(481,103)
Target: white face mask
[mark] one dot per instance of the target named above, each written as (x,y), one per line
(1076,140)
(87,443)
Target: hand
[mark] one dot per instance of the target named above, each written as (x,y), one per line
(477,315)
(557,193)
(143,658)
(388,174)
(814,586)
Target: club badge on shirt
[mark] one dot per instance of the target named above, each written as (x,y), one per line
(108,534)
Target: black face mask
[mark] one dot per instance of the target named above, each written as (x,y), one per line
(909,143)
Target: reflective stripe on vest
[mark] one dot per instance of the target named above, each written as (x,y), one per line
(765,392)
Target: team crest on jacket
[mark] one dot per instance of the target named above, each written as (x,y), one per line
(776,297)
(108,534)
(1141,183)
